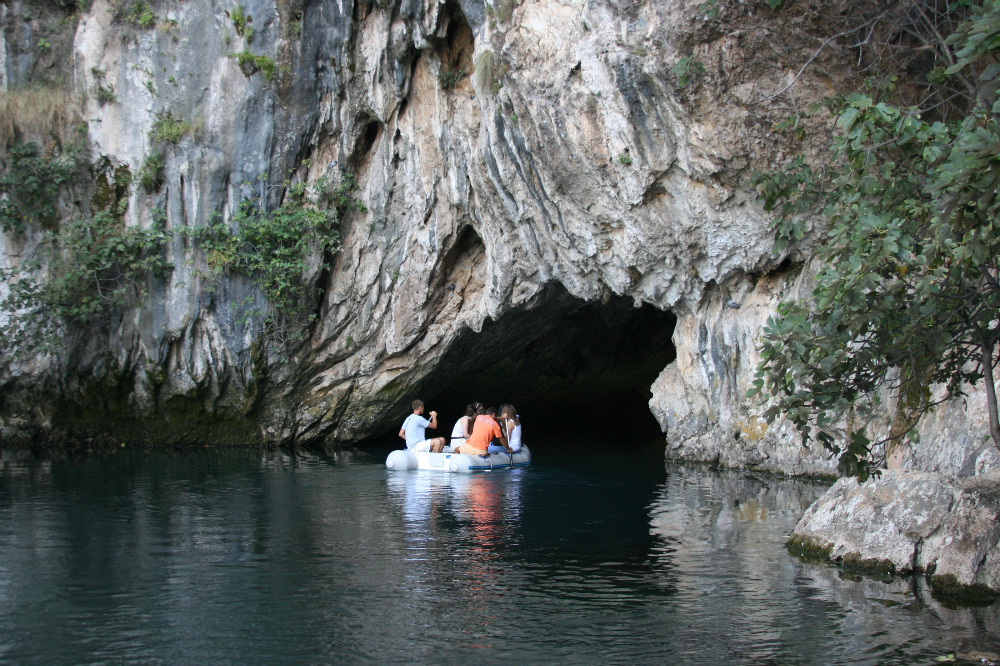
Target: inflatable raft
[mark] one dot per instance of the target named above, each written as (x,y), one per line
(457,462)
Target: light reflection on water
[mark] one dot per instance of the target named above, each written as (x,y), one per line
(239,556)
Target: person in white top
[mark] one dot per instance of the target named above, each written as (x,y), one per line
(463,426)
(512,422)
(414,427)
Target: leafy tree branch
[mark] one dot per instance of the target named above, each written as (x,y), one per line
(910,293)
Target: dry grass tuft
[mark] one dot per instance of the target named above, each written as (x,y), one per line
(37,112)
(484,71)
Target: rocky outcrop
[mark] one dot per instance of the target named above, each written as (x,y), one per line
(700,400)
(911,522)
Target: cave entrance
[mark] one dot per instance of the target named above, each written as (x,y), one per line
(566,364)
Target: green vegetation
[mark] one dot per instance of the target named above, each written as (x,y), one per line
(145,19)
(168,129)
(242,23)
(133,12)
(449,77)
(105,94)
(151,172)
(250,64)
(28,187)
(910,293)
(710,8)
(92,266)
(686,68)
(625,159)
(78,271)
(272,247)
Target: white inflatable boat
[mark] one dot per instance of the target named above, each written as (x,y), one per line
(457,462)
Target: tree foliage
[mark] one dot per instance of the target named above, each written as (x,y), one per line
(28,187)
(909,294)
(79,273)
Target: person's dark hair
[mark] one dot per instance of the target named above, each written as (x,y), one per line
(510,414)
(417,404)
(480,410)
(470,410)
(491,411)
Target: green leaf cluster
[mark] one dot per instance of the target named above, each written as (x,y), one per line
(151,172)
(272,247)
(909,293)
(251,63)
(242,23)
(85,269)
(134,12)
(687,68)
(168,129)
(28,187)
(449,77)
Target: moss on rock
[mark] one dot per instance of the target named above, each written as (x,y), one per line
(810,550)
(947,589)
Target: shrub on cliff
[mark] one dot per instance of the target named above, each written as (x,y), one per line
(273,247)
(910,293)
(29,185)
(91,266)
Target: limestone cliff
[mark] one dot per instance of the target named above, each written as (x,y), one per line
(499,149)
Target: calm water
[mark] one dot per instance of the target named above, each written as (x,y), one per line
(250,557)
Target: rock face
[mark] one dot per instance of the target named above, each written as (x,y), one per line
(700,400)
(522,165)
(912,522)
(499,150)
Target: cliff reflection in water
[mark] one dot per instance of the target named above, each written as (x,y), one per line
(719,536)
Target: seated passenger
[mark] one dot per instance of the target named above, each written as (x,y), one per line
(413,431)
(484,430)
(496,445)
(463,426)
(512,423)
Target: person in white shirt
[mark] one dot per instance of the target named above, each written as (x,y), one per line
(413,430)
(463,426)
(512,425)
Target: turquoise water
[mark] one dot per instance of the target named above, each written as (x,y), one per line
(261,557)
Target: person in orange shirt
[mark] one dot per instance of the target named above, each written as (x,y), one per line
(484,431)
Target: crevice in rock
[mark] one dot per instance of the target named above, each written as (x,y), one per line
(455,50)
(457,276)
(364,142)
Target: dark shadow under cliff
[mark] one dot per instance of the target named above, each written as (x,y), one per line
(567,365)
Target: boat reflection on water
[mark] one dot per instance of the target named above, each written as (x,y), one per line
(461,533)
(487,507)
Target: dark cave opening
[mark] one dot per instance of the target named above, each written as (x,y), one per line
(566,364)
